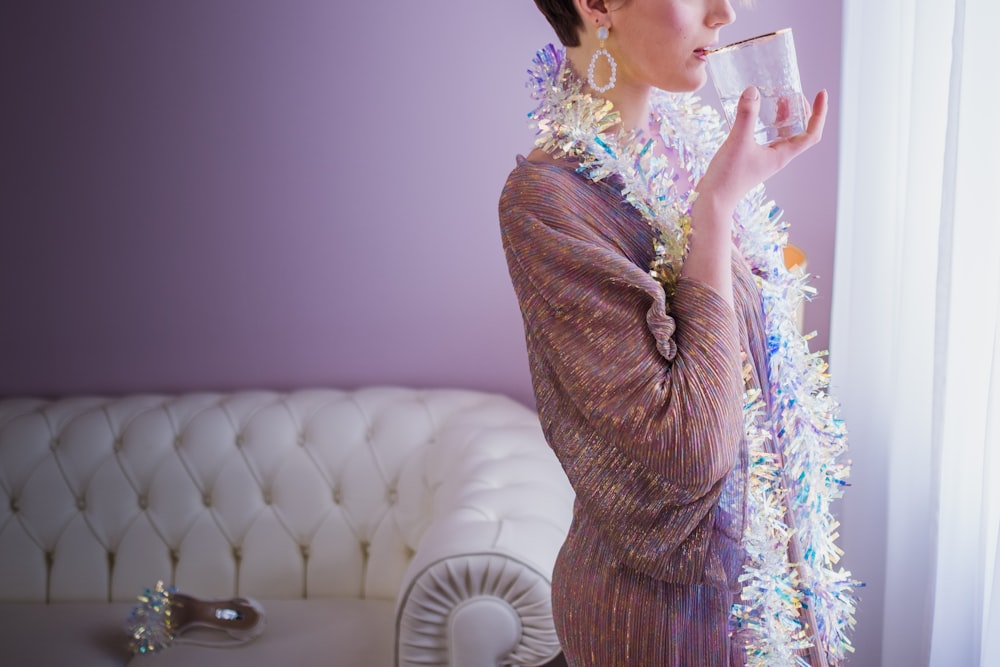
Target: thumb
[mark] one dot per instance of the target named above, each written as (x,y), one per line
(746,113)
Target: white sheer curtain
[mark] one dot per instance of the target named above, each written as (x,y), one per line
(915,336)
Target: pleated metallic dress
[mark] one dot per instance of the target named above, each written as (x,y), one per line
(641,400)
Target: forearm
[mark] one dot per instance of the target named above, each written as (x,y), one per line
(709,258)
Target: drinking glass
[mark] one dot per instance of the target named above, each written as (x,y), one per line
(767,62)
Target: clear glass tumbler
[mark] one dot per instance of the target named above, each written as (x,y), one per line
(767,62)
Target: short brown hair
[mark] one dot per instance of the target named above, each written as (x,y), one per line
(562,16)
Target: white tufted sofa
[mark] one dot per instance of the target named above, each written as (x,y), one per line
(384,526)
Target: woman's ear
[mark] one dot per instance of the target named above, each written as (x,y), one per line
(593,12)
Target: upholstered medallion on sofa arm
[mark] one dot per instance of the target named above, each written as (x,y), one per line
(435,515)
(477,591)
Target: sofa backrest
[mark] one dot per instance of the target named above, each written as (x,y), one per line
(311,493)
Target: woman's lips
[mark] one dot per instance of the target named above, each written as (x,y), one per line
(703,51)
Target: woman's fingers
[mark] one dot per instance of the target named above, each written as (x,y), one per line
(817,119)
(790,147)
(747,111)
(741,163)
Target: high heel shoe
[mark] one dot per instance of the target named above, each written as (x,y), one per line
(163,615)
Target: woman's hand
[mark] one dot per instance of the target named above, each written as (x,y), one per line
(741,163)
(738,166)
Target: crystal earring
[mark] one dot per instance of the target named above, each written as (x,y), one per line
(602,34)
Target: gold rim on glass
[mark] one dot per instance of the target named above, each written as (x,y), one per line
(744,42)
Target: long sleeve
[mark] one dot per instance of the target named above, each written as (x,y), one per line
(642,404)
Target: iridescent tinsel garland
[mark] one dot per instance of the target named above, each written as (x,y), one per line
(778,596)
(807,423)
(769,615)
(150,625)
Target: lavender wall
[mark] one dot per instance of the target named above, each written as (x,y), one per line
(214,194)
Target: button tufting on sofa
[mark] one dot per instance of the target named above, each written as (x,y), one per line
(399,526)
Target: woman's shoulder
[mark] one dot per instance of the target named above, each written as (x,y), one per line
(539,180)
(541,164)
(538,156)
(545,194)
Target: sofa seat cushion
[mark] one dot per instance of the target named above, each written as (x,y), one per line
(305,633)
(89,634)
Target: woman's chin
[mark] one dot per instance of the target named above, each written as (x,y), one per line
(692,80)
(685,86)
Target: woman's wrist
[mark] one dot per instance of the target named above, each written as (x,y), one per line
(711,216)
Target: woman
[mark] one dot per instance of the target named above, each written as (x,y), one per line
(648,343)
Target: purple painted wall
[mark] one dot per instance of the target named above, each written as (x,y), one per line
(216,194)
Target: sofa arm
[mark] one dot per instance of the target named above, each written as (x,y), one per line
(477,592)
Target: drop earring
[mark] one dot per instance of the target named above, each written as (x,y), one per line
(602,34)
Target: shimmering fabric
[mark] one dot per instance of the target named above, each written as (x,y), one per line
(641,401)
